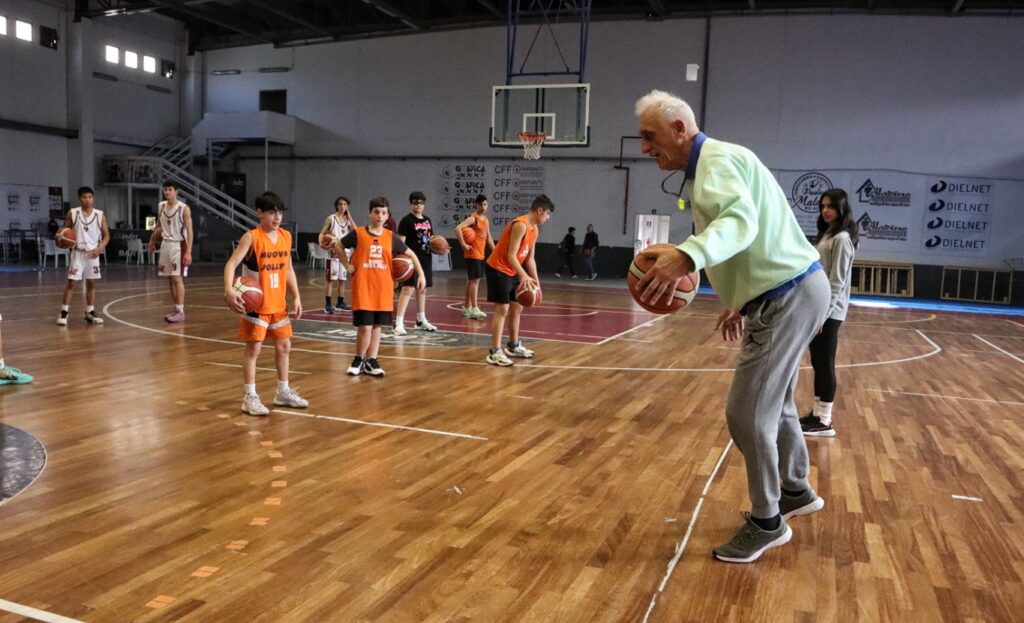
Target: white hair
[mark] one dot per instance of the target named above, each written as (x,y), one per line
(668,106)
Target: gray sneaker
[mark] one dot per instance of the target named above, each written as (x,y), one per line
(750,541)
(805,504)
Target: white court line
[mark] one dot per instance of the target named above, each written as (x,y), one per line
(892,391)
(381,424)
(523,397)
(32,613)
(631,329)
(967,497)
(686,538)
(235,365)
(1011,321)
(1007,353)
(630,339)
(456,306)
(331,353)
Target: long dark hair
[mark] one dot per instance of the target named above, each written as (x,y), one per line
(845,221)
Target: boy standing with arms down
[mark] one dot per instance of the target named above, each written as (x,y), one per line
(415,231)
(474,254)
(175,220)
(373,248)
(338,225)
(506,270)
(92,237)
(266,256)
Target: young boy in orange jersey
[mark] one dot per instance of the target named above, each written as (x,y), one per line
(266,256)
(475,254)
(506,270)
(373,247)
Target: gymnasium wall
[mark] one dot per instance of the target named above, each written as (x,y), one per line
(859,96)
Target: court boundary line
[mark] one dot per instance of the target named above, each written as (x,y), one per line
(236,365)
(106,312)
(670,569)
(34,613)
(1005,352)
(416,429)
(943,396)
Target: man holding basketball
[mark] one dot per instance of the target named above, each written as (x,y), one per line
(775,295)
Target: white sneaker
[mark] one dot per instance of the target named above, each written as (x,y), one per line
(356,367)
(400,330)
(290,398)
(519,351)
(477,314)
(424,325)
(498,358)
(467,312)
(62,319)
(92,318)
(251,404)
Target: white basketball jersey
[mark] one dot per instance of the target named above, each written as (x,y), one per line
(172,221)
(339,227)
(88,229)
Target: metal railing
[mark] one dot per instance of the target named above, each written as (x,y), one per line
(200,194)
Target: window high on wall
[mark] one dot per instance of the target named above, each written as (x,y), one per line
(113,54)
(131,59)
(3,25)
(23,30)
(149,64)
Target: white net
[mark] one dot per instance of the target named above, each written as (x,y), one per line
(532,142)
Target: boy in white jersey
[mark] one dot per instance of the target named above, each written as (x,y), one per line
(175,226)
(337,225)
(92,238)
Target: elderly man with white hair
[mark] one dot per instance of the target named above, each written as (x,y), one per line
(764,271)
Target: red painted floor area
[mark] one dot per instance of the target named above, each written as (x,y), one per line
(586,324)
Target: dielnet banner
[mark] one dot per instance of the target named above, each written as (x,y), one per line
(917,218)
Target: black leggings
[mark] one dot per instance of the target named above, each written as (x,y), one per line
(823,360)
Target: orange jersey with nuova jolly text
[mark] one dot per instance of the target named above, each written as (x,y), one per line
(498,259)
(373,288)
(269,263)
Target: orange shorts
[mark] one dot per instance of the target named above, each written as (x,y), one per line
(256,328)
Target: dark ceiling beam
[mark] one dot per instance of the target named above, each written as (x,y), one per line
(125,8)
(956,7)
(266,6)
(206,17)
(658,8)
(392,11)
(753,5)
(495,10)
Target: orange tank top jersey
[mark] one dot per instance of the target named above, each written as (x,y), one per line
(498,259)
(373,288)
(269,263)
(476,250)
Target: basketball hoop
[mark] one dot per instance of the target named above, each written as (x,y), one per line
(532,142)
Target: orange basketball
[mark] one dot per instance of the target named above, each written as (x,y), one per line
(685,292)
(327,241)
(528,297)
(66,238)
(157,237)
(249,289)
(439,246)
(468,235)
(402,268)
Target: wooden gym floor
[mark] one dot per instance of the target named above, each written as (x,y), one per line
(586,485)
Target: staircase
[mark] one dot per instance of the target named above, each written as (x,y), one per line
(199,194)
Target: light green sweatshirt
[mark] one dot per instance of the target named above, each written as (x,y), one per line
(748,240)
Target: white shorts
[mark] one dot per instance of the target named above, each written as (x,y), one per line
(335,269)
(81,265)
(170,259)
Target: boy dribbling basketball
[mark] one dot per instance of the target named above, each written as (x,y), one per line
(266,256)
(92,238)
(506,270)
(373,248)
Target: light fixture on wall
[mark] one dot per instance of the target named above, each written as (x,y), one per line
(103,76)
(167,68)
(153,87)
(48,37)
(225,72)
(274,70)
(692,69)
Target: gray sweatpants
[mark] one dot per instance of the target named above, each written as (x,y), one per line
(761,411)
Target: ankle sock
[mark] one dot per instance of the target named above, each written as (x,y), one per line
(65,308)
(282,385)
(327,301)
(250,389)
(768,525)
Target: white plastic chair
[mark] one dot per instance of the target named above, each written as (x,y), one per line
(135,249)
(50,248)
(310,253)
(320,255)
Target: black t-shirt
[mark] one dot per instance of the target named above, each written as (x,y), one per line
(417,232)
(590,240)
(351,239)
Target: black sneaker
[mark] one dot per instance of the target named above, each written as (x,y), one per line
(812,427)
(92,318)
(356,367)
(343,306)
(810,417)
(371,367)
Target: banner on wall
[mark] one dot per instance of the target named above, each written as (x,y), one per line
(915,218)
(510,189)
(25,205)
